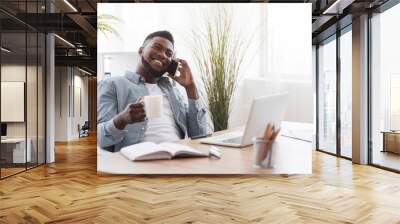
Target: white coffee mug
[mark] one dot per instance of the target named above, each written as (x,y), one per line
(153,106)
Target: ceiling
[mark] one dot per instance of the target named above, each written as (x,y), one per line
(329,16)
(75,21)
(75,43)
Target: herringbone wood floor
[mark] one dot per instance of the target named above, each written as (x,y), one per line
(70,191)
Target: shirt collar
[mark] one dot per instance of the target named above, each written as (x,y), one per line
(136,78)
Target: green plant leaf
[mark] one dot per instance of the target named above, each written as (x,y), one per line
(105,24)
(218,55)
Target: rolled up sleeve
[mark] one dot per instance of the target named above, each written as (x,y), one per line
(107,108)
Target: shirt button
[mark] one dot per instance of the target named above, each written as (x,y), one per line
(142,128)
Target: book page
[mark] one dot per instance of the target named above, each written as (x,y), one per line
(140,151)
(176,149)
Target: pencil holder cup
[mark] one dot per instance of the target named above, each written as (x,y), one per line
(262,152)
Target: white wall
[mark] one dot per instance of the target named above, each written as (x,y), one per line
(68,80)
(281,44)
(289,45)
(279,54)
(61,103)
(248,89)
(300,106)
(116,63)
(181,19)
(79,117)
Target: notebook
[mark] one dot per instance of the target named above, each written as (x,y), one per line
(152,151)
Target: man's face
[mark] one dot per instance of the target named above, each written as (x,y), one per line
(156,55)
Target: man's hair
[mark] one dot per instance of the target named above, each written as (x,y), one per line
(163,33)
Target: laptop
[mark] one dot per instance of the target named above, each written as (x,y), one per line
(264,110)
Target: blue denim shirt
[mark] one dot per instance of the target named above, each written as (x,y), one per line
(114,94)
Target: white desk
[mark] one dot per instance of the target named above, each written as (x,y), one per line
(18,149)
(291,156)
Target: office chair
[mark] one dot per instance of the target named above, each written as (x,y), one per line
(84,130)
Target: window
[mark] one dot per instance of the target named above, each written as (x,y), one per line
(385,88)
(346,93)
(22,75)
(327,96)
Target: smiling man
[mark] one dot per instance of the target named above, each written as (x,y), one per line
(120,110)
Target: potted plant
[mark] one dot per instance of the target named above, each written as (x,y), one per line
(219,54)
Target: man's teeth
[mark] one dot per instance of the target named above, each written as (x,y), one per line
(157,61)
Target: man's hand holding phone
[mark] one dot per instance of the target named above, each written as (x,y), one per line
(185,78)
(173,68)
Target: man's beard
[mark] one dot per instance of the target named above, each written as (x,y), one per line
(150,70)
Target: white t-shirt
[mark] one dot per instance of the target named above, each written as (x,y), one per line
(164,128)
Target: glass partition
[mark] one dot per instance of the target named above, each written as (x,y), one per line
(41,91)
(13,86)
(327,96)
(22,78)
(346,94)
(31,98)
(385,89)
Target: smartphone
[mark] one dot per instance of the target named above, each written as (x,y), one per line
(172,67)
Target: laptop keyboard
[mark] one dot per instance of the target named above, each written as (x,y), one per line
(237,140)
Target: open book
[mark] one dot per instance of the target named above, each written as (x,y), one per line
(153,151)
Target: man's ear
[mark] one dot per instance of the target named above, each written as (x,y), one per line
(140,51)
